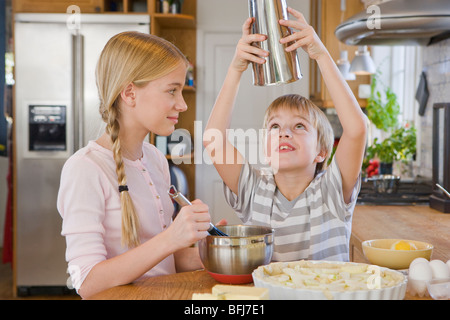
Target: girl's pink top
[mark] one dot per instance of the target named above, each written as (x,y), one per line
(89,203)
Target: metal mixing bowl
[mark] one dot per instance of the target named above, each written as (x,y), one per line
(232,259)
(385,183)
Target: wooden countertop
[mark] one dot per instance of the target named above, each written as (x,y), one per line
(369,222)
(403,222)
(178,286)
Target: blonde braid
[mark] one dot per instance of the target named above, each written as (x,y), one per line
(130,221)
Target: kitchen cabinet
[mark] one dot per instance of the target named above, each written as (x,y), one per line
(179,28)
(326,15)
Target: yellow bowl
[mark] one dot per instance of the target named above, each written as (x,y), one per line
(379,252)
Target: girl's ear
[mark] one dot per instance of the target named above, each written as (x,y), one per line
(321,156)
(128,95)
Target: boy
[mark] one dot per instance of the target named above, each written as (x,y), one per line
(310,209)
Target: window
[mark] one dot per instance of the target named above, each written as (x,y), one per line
(400,68)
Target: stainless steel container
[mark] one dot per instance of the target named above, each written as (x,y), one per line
(280,66)
(385,183)
(246,248)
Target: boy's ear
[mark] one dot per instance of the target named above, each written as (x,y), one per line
(321,156)
(128,95)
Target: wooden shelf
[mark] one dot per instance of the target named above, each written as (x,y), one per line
(56,6)
(189,89)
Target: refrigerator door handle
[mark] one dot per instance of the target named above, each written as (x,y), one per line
(78,89)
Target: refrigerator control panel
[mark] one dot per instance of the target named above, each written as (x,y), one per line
(47,128)
(47,114)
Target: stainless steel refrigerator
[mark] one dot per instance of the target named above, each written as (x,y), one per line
(56,113)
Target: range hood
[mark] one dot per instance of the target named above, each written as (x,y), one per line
(402,22)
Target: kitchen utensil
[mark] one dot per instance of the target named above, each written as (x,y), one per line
(385,183)
(442,188)
(182,201)
(232,259)
(379,252)
(280,66)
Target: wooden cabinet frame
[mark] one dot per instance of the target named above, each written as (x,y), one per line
(326,15)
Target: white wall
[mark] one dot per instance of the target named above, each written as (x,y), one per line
(219,25)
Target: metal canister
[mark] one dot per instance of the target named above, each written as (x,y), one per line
(280,66)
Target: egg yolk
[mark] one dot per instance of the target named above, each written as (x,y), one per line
(403,245)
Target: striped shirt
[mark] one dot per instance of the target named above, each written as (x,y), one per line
(314,226)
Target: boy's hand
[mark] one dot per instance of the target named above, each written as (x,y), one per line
(305,37)
(245,51)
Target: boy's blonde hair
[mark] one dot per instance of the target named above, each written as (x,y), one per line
(325,135)
(130,57)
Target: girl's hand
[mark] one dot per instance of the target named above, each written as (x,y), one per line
(190,225)
(306,37)
(245,51)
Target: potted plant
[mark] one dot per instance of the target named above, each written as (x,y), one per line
(401,145)
(383,112)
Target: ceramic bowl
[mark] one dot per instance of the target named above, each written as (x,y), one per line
(379,252)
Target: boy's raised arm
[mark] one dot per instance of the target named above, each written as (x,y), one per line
(350,151)
(226,159)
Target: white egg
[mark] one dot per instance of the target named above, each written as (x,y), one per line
(421,271)
(448,264)
(418,260)
(417,287)
(439,269)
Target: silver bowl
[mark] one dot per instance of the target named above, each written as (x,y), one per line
(232,259)
(385,183)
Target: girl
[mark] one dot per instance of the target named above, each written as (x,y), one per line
(113,194)
(309,208)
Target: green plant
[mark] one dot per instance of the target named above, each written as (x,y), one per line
(382,111)
(401,145)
